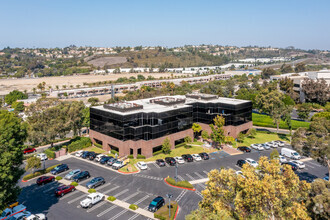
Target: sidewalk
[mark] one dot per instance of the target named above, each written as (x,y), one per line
(199,181)
(280,131)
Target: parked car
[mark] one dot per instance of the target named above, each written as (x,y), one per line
(300,164)
(282,159)
(79,153)
(142,165)
(39,216)
(160,162)
(71,174)
(326,178)
(92,155)
(170,161)
(91,200)
(257,146)
(105,159)
(12,204)
(156,204)
(293,165)
(266,146)
(196,157)
(45,179)
(62,190)
(204,156)
(244,149)
(81,176)
(187,157)
(86,154)
(95,182)
(59,169)
(290,153)
(240,163)
(99,157)
(42,156)
(111,161)
(29,150)
(119,164)
(280,143)
(179,160)
(273,144)
(251,162)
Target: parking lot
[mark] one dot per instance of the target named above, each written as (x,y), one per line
(140,188)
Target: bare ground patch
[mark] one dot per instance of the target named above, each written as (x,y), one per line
(102,61)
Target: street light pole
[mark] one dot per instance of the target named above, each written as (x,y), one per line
(169,196)
(176,172)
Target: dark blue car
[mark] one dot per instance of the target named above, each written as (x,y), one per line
(86,154)
(104,160)
(156,204)
(59,169)
(81,176)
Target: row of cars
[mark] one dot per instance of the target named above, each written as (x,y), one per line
(18,211)
(181,160)
(101,158)
(264,146)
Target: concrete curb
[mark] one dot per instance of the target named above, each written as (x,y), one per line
(306,159)
(176,213)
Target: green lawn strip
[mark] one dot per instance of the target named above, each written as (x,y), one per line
(184,183)
(39,173)
(129,168)
(163,212)
(267,121)
(262,137)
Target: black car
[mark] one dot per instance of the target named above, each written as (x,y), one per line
(170,160)
(80,176)
(240,163)
(86,154)
(59,169)
(204,156)
(105,159)
(187,157)
(156,204)
(160,162)
(95,182)
(92,155)
(111,161)
(293,166)
(244,149)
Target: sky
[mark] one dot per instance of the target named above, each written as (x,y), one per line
(107,23)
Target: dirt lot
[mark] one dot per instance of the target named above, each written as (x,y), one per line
(7,85)
(102,61)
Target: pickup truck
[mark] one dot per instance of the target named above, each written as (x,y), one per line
(91,200)
(9,212)
(119,164)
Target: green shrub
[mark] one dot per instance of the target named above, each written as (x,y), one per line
(91,191)
(187,146)
(139,156)
(180,145)
(130,156)
(157,153)
(74,184)
(79,143)
(114,152)
(159,217)
(111,198)
(52,167)
(58,178)
(325,115)
(184,183)
(98,145)
(133,207)
(38,173)
(50,154)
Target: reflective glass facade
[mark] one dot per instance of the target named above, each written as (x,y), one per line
(148,126)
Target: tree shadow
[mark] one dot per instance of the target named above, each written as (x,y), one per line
(306,176)
(283,137)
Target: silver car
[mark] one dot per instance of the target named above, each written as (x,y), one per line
(71,174)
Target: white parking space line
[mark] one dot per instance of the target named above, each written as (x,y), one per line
(114,188)
(198,193)
(65,172)
(201,185)
(106,211)
(134,216)
(105,185)
(85,181)
(141,200)
(183,192)
(50,189)
(46,185)
(70,194)
(119,214)
(205,172)
(310,164)
(180,178)
(166,164)
(131,196)
(192,178)
(97,206)
(156,165)
(121,193)
(76,199)
(200,176)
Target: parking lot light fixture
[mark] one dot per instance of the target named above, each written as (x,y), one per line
(169,196)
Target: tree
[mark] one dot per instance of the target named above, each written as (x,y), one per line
(205,135)
(15,95)
(318,200)
(166,147)
(316,91)
(286,84)
(267,72)
(272,104)
(241,137)
(303,110)
(286,68)
(252,132)
(271,193)
(33,163)
(172,86)
(300,67)
(196,128)
(187,139)
(18,106)
(12,136)
(217,134)
(274,154)
(140,77)
(93,100)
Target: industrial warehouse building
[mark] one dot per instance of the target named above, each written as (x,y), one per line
(140,126)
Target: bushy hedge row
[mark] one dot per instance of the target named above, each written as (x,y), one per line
(114,152)
(157,153)
(133,207)
(111,198)
(130,156)
(80,143)
(184,183)
(180,145)
(50,154)
(98,145)
(39,173)
(139,156)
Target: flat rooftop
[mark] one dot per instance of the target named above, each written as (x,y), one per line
(178,101)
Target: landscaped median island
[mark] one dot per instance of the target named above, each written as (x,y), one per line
(38,173)
(180,184)
(163,212)
(133,207)
(74,184)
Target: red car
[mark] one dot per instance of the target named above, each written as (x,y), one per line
(62,190)
(45,179)
(29,150)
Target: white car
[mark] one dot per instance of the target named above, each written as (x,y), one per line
(274,144)
(79,153)
(99,157)
(71,174)
(280,143)
(40,216)
(251,162)
(257,146)
(142,165)
(300,164)
(266,146)
(42,156)
(282,159)
(196,157)
(179,160)
(91,200)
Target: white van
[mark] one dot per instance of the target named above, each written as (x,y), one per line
(290,153)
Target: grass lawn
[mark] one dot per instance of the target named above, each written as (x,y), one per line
(99,151)
(262,137)
(129,168)
(163,211)
(267,121)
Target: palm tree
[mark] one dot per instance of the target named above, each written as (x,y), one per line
(172,86)
(57,87)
